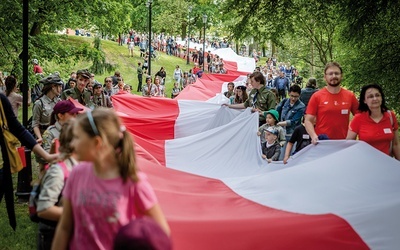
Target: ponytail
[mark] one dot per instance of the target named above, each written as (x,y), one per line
(126,156)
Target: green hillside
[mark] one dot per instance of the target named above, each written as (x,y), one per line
(119,56)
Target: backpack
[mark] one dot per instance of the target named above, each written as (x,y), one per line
(36,92)
(29,123)
(34,195)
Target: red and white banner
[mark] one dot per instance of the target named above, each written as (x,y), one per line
(204,162)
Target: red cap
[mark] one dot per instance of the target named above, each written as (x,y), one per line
(66,106)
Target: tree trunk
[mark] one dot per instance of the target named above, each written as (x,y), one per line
(273,49)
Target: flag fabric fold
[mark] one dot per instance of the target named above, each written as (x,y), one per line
(204,162)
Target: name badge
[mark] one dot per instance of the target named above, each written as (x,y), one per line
(345,111)
(387,131)
(306,137)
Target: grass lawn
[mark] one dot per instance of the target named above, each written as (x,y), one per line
(25,235)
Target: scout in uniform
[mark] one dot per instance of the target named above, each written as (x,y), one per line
(43,106)
(99,98)
(63,111)
(260,98)
(80,93)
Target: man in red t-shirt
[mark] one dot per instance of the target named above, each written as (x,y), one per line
(329,109)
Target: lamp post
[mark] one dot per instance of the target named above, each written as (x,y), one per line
(188,40)
(148,4)
(204,39)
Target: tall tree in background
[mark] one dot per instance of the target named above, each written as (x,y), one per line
(295,26)
(50,16)
(371,45)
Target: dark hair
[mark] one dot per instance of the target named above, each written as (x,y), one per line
(364,107)
(258,77)
(105,79)
(333,64)
(71,80)
(231,83)
(312,82)
(46,88)
(11,82)
(53,118)
(108,126)
(295,88)
(244,94)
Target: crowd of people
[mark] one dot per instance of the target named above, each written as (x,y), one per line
(78,151)
(83,155)
(291,117)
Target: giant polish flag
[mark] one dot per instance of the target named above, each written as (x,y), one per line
(204,162)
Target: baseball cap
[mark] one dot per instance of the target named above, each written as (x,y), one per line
(66,106)
(142,233)
(272,131)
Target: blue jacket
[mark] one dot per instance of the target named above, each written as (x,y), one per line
(286,83)
(292,115)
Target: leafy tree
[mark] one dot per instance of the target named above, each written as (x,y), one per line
(99,59)
(371,45)
(304,31)
(47,17)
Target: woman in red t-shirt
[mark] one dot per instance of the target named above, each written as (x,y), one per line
(375,124)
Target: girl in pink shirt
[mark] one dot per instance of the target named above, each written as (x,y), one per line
(105,191)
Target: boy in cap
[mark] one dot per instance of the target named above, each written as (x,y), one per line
(80,92)
(271,148)
(271,120)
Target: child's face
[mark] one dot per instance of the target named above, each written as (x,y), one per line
(82,144)
(269,137)
(270,120)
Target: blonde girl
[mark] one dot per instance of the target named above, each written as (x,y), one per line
(105,191)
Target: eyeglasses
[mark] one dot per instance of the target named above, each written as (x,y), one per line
(294,96)
(109,81)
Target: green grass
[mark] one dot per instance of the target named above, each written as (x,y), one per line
(25,235)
